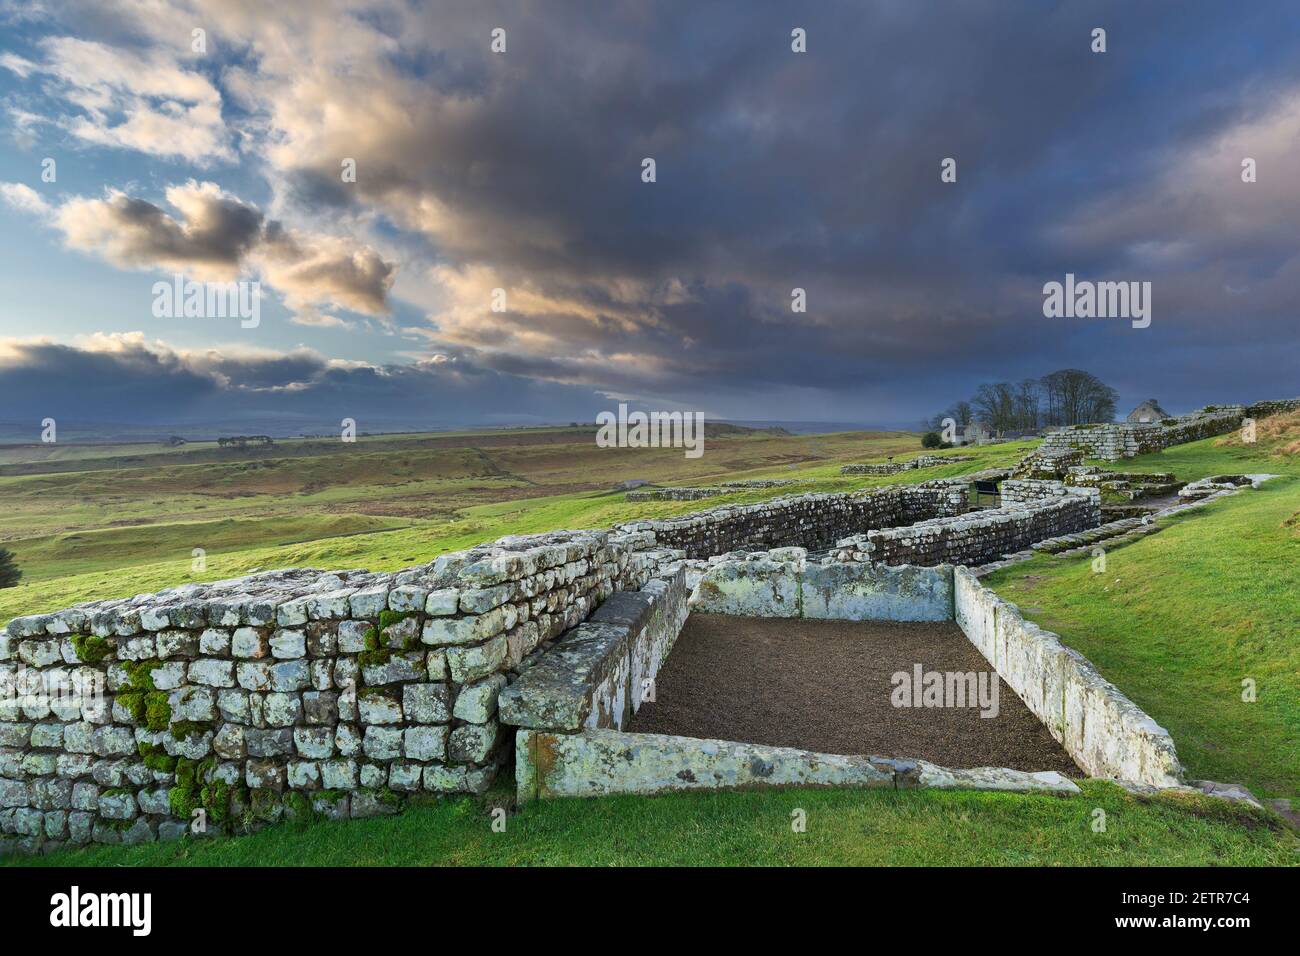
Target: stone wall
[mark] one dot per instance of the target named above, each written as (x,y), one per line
(894,467)
(284,692)
(1031,512)
(1264,409)
(1111,441)
(1105,732)
(674,494)
(1049,463)
(813,521)
(783,583)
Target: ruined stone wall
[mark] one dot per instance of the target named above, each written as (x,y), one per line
(1033,513)
(894,467)
(1105,732)
(813,521)
(674,494)
(285,692)
(1049,463)
(1035,491)
(1111,442)
(1264,409)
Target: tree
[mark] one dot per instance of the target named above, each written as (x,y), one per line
(9,572)
(931,440)
(1076,397)
(1069,396)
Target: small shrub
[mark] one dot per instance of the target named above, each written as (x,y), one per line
(932,440)
(9,571)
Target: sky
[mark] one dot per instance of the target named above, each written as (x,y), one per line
(499,257)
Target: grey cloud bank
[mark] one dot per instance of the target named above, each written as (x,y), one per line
(776,170)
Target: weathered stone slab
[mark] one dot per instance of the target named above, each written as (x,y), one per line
(862,592)
(600,762)
(751,589)
(993,778)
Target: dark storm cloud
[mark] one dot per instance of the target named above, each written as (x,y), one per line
(820,171)
(130,381)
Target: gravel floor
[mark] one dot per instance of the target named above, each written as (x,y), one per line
(826,686)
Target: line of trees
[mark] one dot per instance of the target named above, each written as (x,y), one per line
(1069,396)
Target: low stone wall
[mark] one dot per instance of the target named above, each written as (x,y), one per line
(674,494)
(894,467)
(1105,732)
(784,584)
(603,762)
(1276,407)
(285,692)
(813,521)
(1050,463)
(1113,441)
(1032,492)
(881,468)
(1031,512)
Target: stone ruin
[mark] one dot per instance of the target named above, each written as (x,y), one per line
(344,694)
(1112,441)
(896,467)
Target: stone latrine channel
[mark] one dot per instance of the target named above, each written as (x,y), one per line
(224,707)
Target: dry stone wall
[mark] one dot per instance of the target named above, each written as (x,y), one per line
(1031,511)
(812,521)
(1276,407)
(239,703)
(1111,442)
(674,494)
(895,467)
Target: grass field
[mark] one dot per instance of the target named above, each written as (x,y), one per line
(382,503)
(1176,622)
(844,828)
(1179,619)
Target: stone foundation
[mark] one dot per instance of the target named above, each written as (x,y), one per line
(894,467)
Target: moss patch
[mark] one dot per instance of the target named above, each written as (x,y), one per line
(90,649)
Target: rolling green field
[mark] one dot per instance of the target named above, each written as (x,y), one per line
(381,503)
(1176,622)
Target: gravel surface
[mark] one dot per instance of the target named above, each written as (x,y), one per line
(826,686)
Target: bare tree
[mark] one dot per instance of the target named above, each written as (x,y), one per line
(1075,397)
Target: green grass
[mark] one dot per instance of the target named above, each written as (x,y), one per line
(1180,618)
(66,529)
(1176,622)
(844,828)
